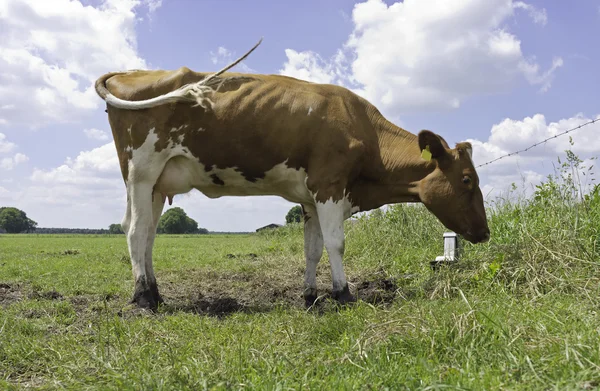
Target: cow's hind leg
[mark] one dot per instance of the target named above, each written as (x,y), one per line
(158,202)
(313,250)
(331,219)
(140,209)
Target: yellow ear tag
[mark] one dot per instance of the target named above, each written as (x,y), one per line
(426,154)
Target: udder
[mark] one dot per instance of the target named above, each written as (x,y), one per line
(176,178)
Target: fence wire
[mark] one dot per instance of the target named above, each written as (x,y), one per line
(541,142)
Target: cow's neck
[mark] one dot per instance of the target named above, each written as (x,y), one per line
(399,168)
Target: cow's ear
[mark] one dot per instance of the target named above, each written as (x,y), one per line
(432,144)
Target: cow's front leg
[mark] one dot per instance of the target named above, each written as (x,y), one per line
(140,209)
(331,218)
(158,202)
(313,250)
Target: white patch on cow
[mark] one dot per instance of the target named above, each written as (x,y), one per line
(145,167)
(352,209)
(145,160)
(347,206)
(331,215)
(310,109)
(183,173)
(201,129)
(470,153)
(313,250)
(178,128)
(331,218)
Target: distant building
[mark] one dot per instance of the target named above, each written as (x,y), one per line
(270,226)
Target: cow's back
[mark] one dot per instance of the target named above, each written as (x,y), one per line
(256,121)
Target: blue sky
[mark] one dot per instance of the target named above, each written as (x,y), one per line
(500,73)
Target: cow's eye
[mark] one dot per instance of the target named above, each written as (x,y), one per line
(466,180)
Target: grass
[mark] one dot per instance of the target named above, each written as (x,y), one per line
(518,313)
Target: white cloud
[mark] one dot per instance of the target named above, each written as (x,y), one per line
(224,56)
(539,16)
(98,167)
(9,163)
(5,146)
(427,54)
(529,168)
(85,191)
(53,50)
(312,67)
(153,5)
(221,55)
(96,134)
(20,158)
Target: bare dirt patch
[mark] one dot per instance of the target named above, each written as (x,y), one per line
(381,290)
(378,291)
(223,293)
(220,294)
(10,293)
(48,295)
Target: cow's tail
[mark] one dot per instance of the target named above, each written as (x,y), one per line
(193,92)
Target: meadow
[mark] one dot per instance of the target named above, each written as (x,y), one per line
(520,312)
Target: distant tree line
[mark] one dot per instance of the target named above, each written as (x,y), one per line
(88,231)
(173,221)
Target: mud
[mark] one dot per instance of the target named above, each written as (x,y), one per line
(249,255)
(60,253)
(10,293)
(49,295)
(221,294)
(381,291)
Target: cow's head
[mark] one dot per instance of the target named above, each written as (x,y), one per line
(451,192)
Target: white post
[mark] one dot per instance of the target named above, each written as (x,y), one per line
(451,250)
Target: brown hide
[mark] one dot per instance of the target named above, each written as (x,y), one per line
(256,123)
(341,140)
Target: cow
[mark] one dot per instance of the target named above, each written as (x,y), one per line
(317,145)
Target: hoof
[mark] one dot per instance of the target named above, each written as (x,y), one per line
(310,297)
(344,296)
(144,296)
(155,295)
(144,300)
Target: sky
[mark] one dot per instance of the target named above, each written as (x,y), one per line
(501,74)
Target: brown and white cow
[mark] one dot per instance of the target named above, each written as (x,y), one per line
(318,145)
